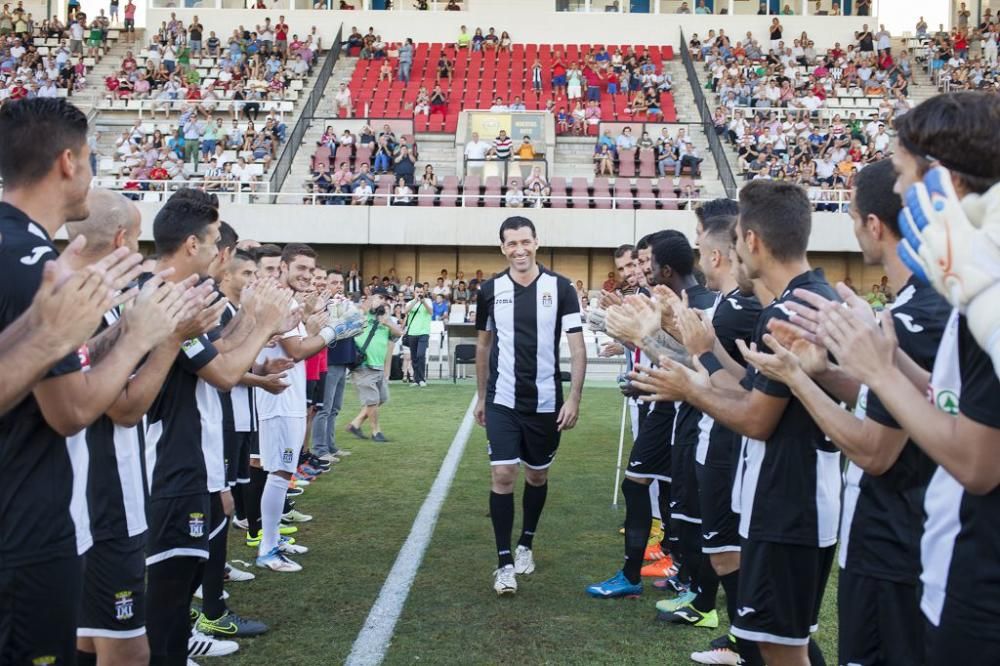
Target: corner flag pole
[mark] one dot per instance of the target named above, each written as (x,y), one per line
(621,444)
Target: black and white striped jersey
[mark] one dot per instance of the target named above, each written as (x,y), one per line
(183,425)
(527,324)
(789,485)
(43,478)
(960,548)
(882,517)
(733,318)
(116,489)
(239,409)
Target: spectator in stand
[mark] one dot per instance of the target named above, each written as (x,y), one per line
(405,60)
(464,38)
(499,106)
(683,9)
(439,101)
(593,114)
(526,151)
(476,150)
(625,140)
(403,194)
(594,83)
(515,196)
(363,191)
(604,160)
(342,100)
(444,67)
(403,165)
(385,71)
(536,178)
(422,104)
(502,146)
(558,77)
(355,39)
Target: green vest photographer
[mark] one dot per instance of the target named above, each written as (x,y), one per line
(370,376)
(418,333)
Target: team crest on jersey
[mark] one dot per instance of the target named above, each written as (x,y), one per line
(947,401)
(123,606)
(196,525)
(546,299)
(286,456)
(83,353)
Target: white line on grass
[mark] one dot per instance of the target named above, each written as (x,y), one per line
(373,641)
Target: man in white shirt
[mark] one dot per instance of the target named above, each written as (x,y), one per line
(48,89)
(342,99)
(76,38)
(499,106)
(476,149)
(282,428)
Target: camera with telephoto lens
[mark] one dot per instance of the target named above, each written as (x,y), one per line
(379,311)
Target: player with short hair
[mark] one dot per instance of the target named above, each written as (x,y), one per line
(788,520)
(44,161)
(521,316)
(282,417)
(184,446)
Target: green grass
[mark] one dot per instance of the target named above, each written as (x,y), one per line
(363,512)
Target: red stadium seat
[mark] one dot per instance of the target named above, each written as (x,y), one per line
(626,162)
(558,198)
(602,192)
(581,198)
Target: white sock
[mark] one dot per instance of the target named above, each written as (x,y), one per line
(271,504)
(654,499)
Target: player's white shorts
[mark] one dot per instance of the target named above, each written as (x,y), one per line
(281,440)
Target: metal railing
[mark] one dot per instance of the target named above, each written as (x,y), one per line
(220,105)
(284,162)
(714,144)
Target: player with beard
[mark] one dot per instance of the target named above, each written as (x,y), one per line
(184,448)
(733,318)
(283,417)
(670,269)
(44,161)
(788,521)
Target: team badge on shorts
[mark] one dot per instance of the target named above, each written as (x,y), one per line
(546,299)
(286,456)
(123,606)
(196,525)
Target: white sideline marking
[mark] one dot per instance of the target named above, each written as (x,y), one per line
(373,640)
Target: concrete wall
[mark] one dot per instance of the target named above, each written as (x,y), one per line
(544,25)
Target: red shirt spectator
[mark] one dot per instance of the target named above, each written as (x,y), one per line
(18,91)
(281,32)
(316,365)
(158,173)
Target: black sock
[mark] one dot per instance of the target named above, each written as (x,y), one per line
(815,654)
(707,584)
(532,503)
(663,499)
(214,572)
(86,658)
(168,602)
(749,653)
(638,520)
(287,506)
(731,584)
(255,490)
(502,515)
(239,508)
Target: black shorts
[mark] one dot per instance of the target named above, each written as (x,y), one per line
(39,609)
(130,25)
(781,591)
(314,391)
(719,524)
(650,456)
(514,437)
(114,589)
(684,501)
(966,635)
(237,449)
(178,527)
(879,622)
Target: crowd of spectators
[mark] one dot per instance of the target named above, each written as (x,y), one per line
(28,68)
(373,154)
(446,291)
(964,58)
(670,154)
(780,106)
(249,68)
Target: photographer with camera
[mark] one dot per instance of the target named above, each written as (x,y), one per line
(418,332)
(369,371)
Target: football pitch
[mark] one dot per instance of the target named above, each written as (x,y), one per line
(363,512)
